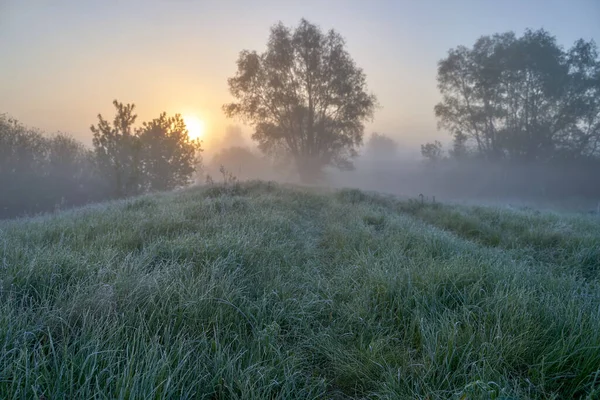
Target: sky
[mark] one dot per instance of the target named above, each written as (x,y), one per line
(63,62)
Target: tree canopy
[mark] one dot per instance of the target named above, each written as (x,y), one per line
(169,156)
(305,97)
(523,98)
(118,150)
(39,173)
(158,156)
(432,151)
(380,146)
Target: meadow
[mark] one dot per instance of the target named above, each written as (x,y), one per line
(265,291)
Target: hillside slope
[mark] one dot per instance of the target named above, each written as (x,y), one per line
(261,291)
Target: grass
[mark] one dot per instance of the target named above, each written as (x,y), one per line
(254,291)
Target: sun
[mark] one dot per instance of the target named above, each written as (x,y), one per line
(195,126)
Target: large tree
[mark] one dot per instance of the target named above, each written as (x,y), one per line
(381,147)
(305,97)
(524,98)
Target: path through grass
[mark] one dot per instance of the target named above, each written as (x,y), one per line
(262,291)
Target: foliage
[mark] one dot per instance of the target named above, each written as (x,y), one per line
(381,146)
(169,156)
(39,173)
(274,292)
(232,136)
(158,156)
(522,98)
(459,148)
(432,151)
(21,149)
(118,150)
(305,98)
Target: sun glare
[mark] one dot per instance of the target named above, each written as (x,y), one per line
(195,126)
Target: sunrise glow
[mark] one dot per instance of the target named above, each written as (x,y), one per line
(195,126)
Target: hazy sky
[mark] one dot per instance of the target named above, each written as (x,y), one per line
(63,62)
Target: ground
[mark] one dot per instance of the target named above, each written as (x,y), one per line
(258,290)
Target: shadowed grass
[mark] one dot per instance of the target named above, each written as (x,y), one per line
(260,291)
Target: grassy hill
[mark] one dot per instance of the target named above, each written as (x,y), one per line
(261,291)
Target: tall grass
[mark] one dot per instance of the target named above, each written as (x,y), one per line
(257,291)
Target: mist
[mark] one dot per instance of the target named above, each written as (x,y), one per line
(402,171)
(479,182)
(300,199)
(517,113)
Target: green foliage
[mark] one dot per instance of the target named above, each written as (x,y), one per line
(40,173)
(275,292)
(432,151)
(523,98)
(118,150)
(459,149)
(158,156)
(169,156)
(305,98)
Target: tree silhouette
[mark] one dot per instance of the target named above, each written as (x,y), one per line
(39,173)
(522,98)
(118,149)
(381,146)
(169,156)
(158,156)
(459,146)
(304,96)
(432,151)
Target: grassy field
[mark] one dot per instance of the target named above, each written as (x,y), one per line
(260,291)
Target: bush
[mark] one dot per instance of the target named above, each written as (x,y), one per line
(40,173)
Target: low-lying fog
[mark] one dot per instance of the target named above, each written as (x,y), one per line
(404,172)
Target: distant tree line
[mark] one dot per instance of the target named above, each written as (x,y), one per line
(524,99)
(524,115)
(40,173)
(507,100)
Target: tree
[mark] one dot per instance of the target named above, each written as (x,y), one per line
(524,98)
(63,153)
(158,156)
(118,149)
(432,151)
(70,177)
(305,98)
(21,167)
(169,156)
(21,149)
(583,137)
(381,147)
(39,173)
(459,146)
